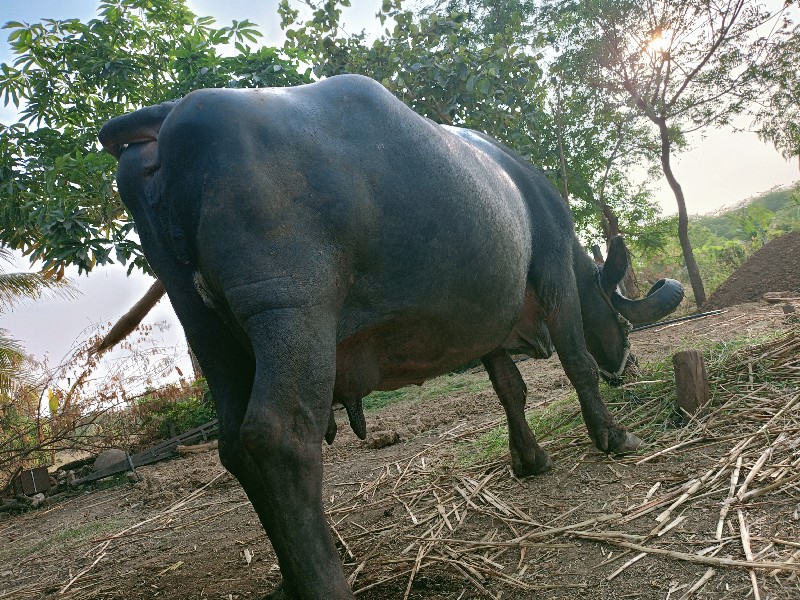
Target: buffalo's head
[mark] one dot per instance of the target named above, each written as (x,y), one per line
(608,316)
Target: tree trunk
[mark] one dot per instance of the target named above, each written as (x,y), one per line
(562,159)
(683,217)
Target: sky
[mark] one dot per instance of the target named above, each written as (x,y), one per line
(721,169)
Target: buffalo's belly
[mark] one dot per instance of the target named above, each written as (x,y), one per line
(407,349)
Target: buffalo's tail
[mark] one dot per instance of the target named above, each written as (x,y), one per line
(134,128)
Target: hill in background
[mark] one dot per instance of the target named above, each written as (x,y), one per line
(780,208)
(724,241)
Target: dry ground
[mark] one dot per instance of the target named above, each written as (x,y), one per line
(439,515)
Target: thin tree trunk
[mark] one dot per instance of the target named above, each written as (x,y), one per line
(562,159)
(683,217)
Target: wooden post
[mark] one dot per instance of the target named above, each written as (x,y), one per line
(691,382)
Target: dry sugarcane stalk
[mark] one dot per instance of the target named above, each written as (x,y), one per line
(660,531)
(695,558)
(692,488)
(635,559)
(555,530)
(698,584)
(754,471)
(748,552)
(768,488)
(792,559)
(472,579)
(379,582)
(420,554)
(741,446)
(650,506)
(614,535)
(652,491)
(726,505)
(481,544)
(83,572)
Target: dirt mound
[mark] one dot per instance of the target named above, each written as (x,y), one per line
(774,268)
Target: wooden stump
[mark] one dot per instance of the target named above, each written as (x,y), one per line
(691,382)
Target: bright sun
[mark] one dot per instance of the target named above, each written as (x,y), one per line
(658,43)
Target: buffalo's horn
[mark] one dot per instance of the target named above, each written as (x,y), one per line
(662,299)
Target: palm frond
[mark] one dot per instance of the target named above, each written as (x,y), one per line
(12,362)
(18,287)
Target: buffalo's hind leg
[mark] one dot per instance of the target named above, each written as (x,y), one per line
(527,457)
(229,370)
(286,420)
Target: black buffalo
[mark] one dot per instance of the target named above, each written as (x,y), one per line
(324,241)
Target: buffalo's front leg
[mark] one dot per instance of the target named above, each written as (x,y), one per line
(283,428)
(581,369)
(527,457)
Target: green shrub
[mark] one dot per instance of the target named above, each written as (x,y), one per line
(170,411)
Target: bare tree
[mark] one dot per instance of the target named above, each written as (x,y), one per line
(684,65)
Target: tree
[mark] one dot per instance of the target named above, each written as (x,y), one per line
(58,204)
(682,65)
(778,117)
(435,62)
(15,288)
(477,64)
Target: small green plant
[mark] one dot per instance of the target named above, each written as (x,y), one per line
(172,410)
(441,386)
(547,422)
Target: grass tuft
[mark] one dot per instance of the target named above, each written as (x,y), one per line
(647,406)
(441,386)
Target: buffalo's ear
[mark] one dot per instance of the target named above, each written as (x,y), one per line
(616,264)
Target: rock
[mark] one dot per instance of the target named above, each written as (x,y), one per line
(108,458)
(788,308)
(37,500)
(383,438)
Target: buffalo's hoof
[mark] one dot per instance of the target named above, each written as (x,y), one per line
(617,440)
(541,463)
(623,442)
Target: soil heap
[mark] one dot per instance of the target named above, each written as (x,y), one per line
(774,268)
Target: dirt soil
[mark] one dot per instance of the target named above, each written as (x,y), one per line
(434,516)
(774,268)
